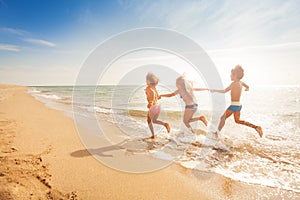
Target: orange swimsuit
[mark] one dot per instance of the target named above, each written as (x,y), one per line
(152,99)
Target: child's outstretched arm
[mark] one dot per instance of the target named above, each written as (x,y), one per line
(245,85)
(222,91)
(169,95)
(200,89)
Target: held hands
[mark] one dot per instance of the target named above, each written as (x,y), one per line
(200,89)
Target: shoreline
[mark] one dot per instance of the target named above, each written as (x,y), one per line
(38,145)
(42,141)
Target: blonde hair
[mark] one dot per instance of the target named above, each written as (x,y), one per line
(152,79)
(238,71)
(185,85)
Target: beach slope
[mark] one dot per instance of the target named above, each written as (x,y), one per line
(42,157)
(36,145)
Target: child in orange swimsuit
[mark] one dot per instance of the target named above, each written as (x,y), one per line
(154,108)
(235,87)
(185,91)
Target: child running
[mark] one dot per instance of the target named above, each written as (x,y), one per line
(237,73)
(185,90)
(154,108)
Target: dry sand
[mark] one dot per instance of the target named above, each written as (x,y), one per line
(42,157)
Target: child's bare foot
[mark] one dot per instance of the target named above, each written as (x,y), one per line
(167,127)
(259,130)
(190,129)
(213,135)
(153,137)
(203,119)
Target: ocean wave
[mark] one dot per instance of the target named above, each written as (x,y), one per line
(37,92)
(143,113)
(129,112)
(49,96)
(33,91)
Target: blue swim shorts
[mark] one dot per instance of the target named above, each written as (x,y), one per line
(235,108)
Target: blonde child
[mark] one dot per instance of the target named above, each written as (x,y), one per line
(153,106)
(185,90)
(235,88)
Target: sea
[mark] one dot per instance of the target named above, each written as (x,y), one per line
(273,160)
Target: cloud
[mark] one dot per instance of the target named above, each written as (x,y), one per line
(289,45)
(8,47)
(40,42)
(13,31)
(226,24)
(24,34)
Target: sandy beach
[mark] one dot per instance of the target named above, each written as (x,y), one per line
(42,157)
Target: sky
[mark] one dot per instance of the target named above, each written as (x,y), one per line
(46,42)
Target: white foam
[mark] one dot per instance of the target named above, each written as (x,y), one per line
(163,155)
(33,90)
(47,96)
(100,110)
